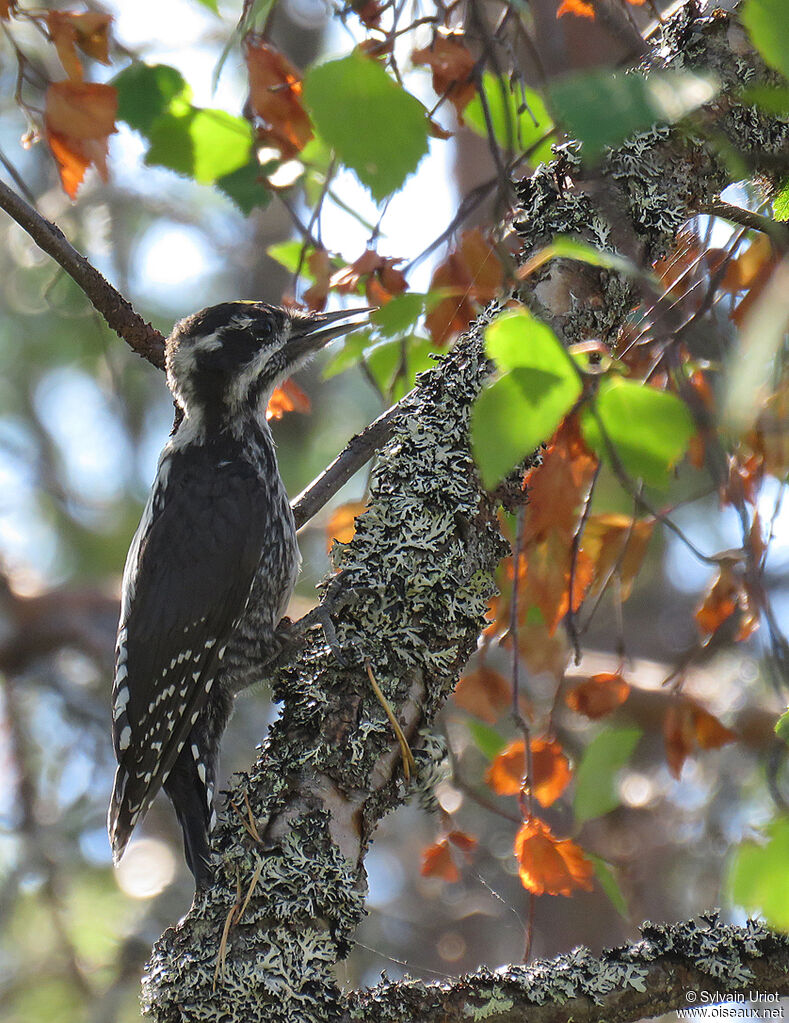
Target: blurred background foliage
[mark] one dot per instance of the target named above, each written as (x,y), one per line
(82,420)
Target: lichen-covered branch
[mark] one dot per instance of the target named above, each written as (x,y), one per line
(409,601)
(713,961)
(414,586)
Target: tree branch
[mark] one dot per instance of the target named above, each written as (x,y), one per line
(677,966)
(359,450)
(138,334)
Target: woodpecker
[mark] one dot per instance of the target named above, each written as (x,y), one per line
(214,558)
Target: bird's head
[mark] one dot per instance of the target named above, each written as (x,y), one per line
(229,357)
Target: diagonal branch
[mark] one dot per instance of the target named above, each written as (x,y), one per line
(120,315)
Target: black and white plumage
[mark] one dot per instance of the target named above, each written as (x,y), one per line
(214,557)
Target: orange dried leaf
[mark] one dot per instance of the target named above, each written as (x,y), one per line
(720,602)
(342,523)
(320,267)
(79,117)
(505,775)
(580,8)
(599,695)
(6,6)
(541,651)
(678,737)
(550,770)
(710,733)
(471,273)
(465,842)
(382,281)
(559,486)
(687,726)
(275,97)
(288,397)
(484,693)
(618,543)
(452,64)
(437,862)
(547,865)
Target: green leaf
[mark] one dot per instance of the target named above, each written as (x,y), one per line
(351,352)
(246,187)
(768,26)
(782,727)
(595,779)
(602,109)
(287,254)
(773,99)
(203,144)
(212,5)
(519,411)
(400,314)
(648,429)
(486,739)
(385,359)
(758,879)
(564,247)
(519,119)
(145,92)
(608,883)
(376,128)
(781,202)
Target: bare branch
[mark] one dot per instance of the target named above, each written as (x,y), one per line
(360,449)
(138,334)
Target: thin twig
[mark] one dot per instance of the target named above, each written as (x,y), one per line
(360,449)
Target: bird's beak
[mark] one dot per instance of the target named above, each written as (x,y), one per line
(310,332)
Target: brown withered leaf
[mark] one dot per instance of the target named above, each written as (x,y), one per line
(599,695)
(319,265)
(342,522)
(720,602)
(558,486)
(288,397)
(546,569)
(616,542)
(756,275)
(275,92)
(382,280)
(463,841)
(79,117)
(452,64)
(472,273)
(744,480)
(688,726)
(548,865)
(437,862)
(368,12)
(6,7)
(484,692)
(769,438)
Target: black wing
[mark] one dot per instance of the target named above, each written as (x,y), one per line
(188,577)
